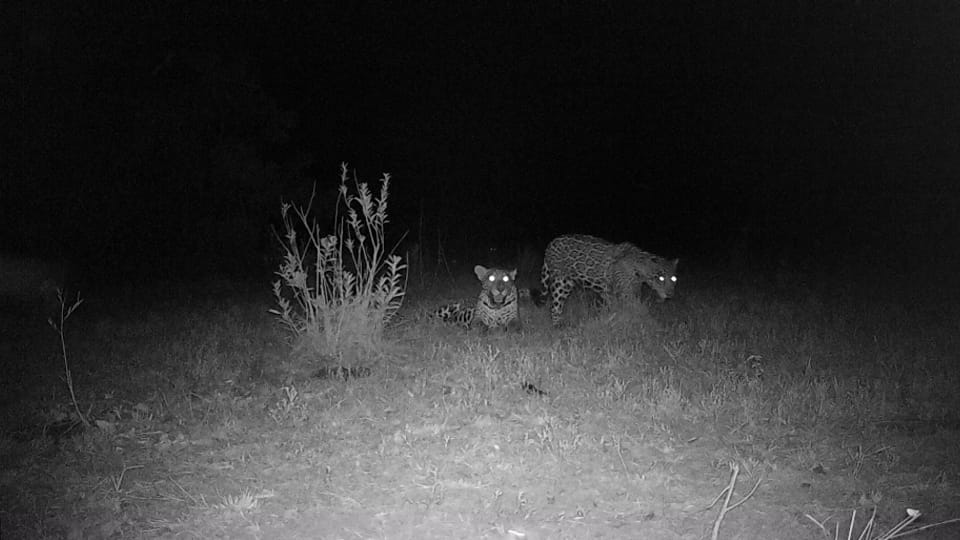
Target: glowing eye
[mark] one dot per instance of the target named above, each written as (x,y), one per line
(491,278)
(660,278)
(673,279)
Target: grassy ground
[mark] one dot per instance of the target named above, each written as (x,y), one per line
(206,427)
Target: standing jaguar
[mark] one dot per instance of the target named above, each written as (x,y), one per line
(495,308)
(611,270)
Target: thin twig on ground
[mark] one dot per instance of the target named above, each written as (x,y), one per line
(727,493)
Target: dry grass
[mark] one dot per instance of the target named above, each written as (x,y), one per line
(206,427)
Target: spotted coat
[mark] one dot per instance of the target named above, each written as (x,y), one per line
(496,306)
(613,271)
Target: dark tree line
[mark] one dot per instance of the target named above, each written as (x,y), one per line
(162,139)
(147,143)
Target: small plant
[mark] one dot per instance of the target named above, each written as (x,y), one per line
(58,326)
(343,287)
(284,407)
(246,501)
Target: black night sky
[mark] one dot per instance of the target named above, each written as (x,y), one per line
(157,140)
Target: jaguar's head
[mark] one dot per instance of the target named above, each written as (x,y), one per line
(664,280)
(497,284)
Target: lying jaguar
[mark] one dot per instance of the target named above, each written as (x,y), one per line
(495,308)
(614,271)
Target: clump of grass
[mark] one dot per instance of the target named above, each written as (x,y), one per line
(341,288)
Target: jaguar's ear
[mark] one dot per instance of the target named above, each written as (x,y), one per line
(675,261)
(480,271)
(513,275)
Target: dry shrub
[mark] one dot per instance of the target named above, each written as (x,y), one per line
(336,292)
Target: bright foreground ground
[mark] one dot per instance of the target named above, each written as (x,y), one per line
(205,426)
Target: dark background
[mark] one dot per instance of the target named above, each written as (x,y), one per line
(157,141)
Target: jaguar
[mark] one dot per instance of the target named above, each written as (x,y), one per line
(613,271)
(496,306)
